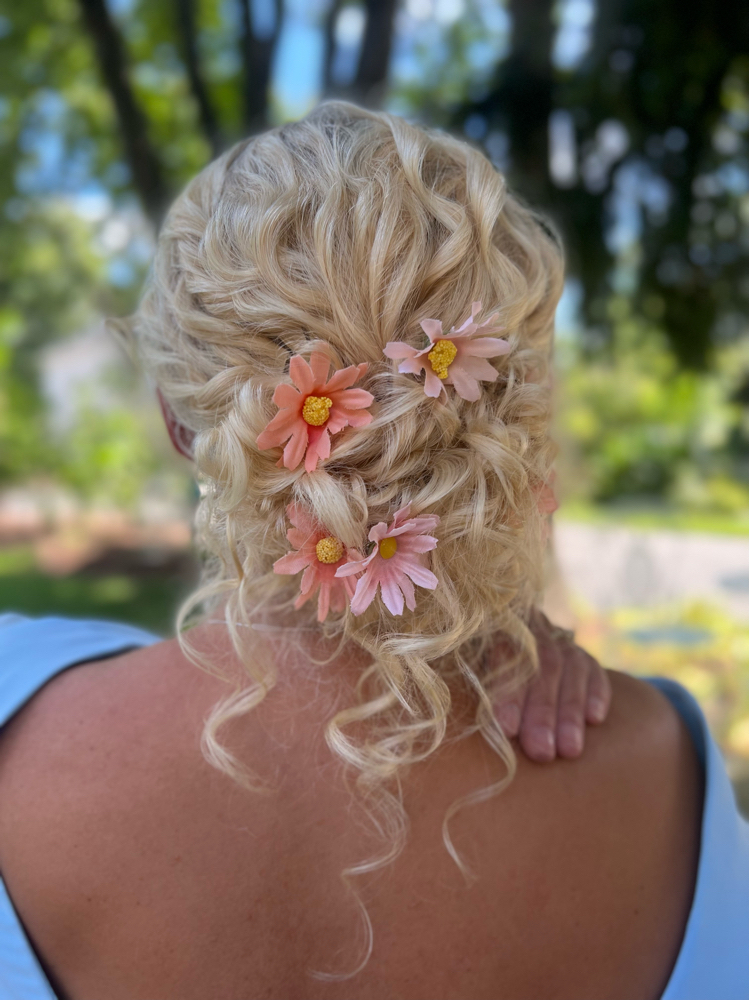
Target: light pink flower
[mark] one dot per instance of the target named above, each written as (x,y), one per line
(312,541)
(315,409)
(395,563)
(457,358)
(547,504)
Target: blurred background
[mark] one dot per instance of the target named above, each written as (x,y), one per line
(627,121)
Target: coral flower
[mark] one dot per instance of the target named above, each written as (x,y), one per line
(395,563)
(457,358)
(319,554)
(315,409)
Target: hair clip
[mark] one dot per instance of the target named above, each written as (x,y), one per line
(395,563)
(320,555)
(314,408)
(458,358)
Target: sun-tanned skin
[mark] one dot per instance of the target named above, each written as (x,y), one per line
(143,874)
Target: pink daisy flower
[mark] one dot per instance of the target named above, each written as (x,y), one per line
(319,554)
(457,358)
(314,408)
(395,563)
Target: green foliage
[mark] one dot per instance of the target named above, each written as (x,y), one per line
(638,426)
(107,455)
(147,601)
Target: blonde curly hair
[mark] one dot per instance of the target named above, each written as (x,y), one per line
(349,227)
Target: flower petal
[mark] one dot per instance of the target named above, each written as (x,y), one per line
(418,573)
(402,515)
(486,347)
(318,448)
(391,595)
(351,399)
(277,430)
(432,385)
(465,386)
(344,378)
(293,453)
(309,580)
(323,601)
(355,566)
(291,563)
(418,543)
(414,366)
(320,366)
(366,588)
(301,519)
(399,349)
(478,368)
(378,531)
(287,396)
(432,328)
(408,592)
(301,374)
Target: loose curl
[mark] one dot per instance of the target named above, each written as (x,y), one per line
(349,227)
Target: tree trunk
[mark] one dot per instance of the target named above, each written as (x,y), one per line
(374,58)
(185,11)
(329,45)
(145,168)
(257,54)
(525,96)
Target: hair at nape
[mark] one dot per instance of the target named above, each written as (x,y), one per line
(339,235)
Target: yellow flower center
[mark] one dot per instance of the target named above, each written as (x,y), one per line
(388,548)
(316,410)
(329,550)
(442,356)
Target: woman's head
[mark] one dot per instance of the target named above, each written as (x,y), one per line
(349,228)
(341,233)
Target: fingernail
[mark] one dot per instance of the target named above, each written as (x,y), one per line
(508,716)
(570,740)
(542,743)
(597,709)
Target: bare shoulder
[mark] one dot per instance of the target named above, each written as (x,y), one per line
(619,838)
(95,756)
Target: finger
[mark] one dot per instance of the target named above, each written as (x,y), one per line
(509,712)
(598,699)
(573,691)
(538,725)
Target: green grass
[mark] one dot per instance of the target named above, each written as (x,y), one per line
(148,601)
(653,517)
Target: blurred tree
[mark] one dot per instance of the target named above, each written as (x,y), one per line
(639,146)
(636,144)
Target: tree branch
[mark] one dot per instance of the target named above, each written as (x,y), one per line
(185,11)
(145,168)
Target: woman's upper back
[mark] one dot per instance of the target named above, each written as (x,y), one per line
(140,871)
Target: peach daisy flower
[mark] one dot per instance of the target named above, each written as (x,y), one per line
(395,563)
(319,554)
(314,408)
(457,358)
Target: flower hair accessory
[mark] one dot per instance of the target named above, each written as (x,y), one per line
(457,358)
(319,554)
(314,408)
(395,563)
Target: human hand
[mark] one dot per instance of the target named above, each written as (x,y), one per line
(548,714)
